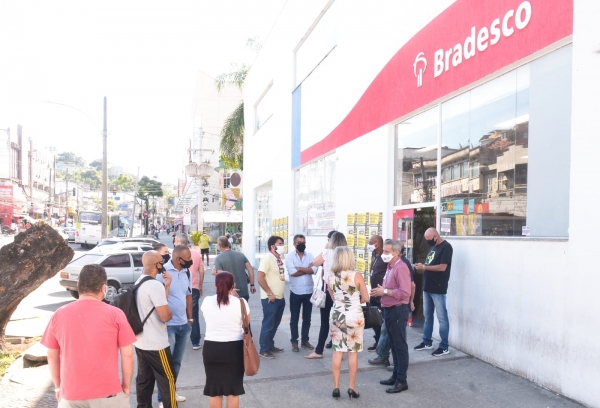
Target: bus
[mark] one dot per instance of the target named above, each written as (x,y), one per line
(89,231)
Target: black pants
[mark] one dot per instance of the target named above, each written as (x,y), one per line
(376,329)
(395,322)
(324,332)
(155,365)
(297,302)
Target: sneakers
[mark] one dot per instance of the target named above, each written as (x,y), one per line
(180,398)
(440,352)
(329,345)
(276,350)
(308,346)
(197,346)
(267,354)
(373,348)
(295,348)
(379,361)
(423,346)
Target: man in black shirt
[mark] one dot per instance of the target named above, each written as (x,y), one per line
(435,286)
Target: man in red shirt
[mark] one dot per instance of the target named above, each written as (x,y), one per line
(84,339)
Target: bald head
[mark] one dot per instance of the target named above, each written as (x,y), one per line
(150,261)
(377,242)
(433,237)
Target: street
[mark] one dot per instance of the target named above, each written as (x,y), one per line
(454,380)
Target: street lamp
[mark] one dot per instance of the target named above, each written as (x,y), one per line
(201,171)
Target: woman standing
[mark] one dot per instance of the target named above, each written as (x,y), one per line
(335,239)
(223,352)
(348,290)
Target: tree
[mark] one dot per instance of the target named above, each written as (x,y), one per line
(112,206)
(35,256)
(91,176)
(70,157)
(149,187)
(96,164)
(123,183)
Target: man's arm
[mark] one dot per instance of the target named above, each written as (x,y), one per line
(201,277)
(250,271)
(189,308)
(434,268)
(164,312)
(126,368)
(412,296)
(54,366)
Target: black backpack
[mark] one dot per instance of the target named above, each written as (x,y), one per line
(126,301)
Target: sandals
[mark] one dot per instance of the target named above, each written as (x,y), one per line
(314,356)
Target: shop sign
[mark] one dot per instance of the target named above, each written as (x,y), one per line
(320,222)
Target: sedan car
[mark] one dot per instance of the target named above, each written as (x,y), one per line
(123,268)
(70,231)
(121,246)
(113,241)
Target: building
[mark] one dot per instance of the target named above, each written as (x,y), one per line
(115,171)
(478,118)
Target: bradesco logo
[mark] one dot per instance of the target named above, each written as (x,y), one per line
(477,41)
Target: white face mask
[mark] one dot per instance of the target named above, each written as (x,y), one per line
(280,249)
(371,248)
(386,257)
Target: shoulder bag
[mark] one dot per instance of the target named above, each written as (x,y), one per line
(372,316)
(318,296)
(251,359)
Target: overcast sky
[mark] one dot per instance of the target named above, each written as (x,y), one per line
(142,55)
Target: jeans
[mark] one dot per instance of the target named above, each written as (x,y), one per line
(178,336)
(272,313)
(297,301)
(325,330)
(437,302)
(383,345)
(395,321)
(195,336)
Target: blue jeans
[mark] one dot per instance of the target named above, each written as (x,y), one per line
(272,313)
(195,337)
(437,302)
(395,321)
(297,301)
(178,336)
(383,345)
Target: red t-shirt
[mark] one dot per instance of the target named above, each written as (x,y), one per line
(88,334)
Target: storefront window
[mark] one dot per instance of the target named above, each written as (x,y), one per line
(487,133)
(315,197)
(263,209)
(416,160)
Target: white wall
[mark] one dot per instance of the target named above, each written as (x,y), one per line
(527,306)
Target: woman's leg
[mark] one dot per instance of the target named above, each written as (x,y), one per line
(215,402)
(324,331)
(336,367)
(353,369)
(233,401)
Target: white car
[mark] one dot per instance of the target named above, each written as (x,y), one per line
(113,241)
(62,234)
(121,246)
(70,231)
(123,268)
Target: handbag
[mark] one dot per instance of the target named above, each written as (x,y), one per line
(318,296)
(251,359)
(372,316)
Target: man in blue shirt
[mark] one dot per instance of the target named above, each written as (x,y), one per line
(180,303)
(300,268)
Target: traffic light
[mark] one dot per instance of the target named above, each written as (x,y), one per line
(114,190)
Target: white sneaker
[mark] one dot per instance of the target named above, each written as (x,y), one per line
(198,347)
(179,398)
(160,405)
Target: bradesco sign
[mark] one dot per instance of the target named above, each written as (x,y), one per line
(468,41)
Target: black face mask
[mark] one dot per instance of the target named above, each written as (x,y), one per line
(185,264)
(166,258)
(161,268)
(301,247)
(432,242)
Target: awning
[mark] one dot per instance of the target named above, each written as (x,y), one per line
(222,216)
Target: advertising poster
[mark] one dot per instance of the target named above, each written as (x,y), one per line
(361,265)
(474,223)
(361,219)
(320,222)
(361,241)
(446,225)
(350,240)
(461,225)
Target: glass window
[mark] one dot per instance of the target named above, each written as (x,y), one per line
(85,259)
(264,108)
(315,197)
(263,210)
(416,160)
(137,259)
(117,261)
(226,180)
(486,132)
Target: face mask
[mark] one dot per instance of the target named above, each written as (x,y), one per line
(166,258)
(280,249)
(160,267)
(185,264)
(432,242)
(371,248)
(301,247)
(386,257)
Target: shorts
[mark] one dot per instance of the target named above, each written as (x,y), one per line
(204,251)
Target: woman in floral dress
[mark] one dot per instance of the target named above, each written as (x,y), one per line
(348,290)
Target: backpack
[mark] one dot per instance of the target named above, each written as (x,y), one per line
(126,301)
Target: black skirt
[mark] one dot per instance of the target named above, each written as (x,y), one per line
(224,368)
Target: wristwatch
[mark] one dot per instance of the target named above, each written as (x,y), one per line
(385,291)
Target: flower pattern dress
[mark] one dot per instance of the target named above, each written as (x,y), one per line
(346,321)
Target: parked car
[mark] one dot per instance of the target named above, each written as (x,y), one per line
(62,234)
(70,231)
(113,241)
(123,268)
(122,246)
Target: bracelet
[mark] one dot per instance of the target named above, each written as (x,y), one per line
(252,284)
(190,320)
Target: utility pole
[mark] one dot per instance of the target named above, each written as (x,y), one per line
(104,217)
(135,192)
(200,221)
(67,197)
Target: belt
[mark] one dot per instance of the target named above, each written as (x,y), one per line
(391,307)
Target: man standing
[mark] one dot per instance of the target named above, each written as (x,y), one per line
(436,276)
(180,303)
(300,268)
(155,363)
(272,284)
(237,264)
(82,378)
(197,274)
(395,298)
(205,246)
(378,268)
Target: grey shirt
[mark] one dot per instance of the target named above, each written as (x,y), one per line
(151,294)
(234,262)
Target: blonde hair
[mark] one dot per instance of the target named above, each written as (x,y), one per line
(343,260)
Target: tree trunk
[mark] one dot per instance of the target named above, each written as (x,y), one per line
(35,256)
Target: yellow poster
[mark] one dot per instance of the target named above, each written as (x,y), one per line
(350,240)
(461,225)
(351,219)
(361,218)
(351,230)
(360,265)
(361,241)
(374,218)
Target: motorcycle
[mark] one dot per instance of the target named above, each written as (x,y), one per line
(6,231)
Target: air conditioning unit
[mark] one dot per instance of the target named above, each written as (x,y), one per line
(235,180)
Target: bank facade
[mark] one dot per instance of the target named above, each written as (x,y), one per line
(476,117)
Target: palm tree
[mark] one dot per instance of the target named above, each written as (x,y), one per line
(232,133)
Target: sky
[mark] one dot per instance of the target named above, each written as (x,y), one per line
(144,56)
